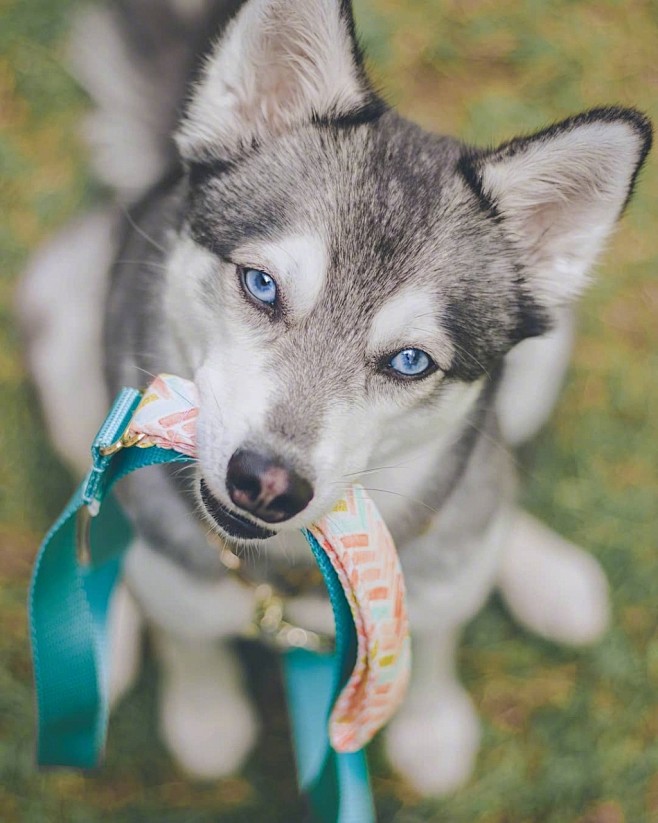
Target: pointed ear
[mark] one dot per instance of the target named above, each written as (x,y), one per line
(560,192)
(279,63)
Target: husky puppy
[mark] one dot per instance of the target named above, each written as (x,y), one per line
(356,299)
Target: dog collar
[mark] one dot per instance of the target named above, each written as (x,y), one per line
(70,594)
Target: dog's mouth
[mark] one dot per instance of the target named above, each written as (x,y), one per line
(231,523)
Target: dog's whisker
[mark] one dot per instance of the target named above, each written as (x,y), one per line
(141,231)
(362,472)
(500,446)
(411,499)
(180,394)
(214,394)
(150,263)
(181,470)
(459,347)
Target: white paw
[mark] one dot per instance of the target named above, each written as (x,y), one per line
(209,735)
(434,746)
(553,587)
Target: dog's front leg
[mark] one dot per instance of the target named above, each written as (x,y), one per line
(552,586)
(434,739)
(206,719)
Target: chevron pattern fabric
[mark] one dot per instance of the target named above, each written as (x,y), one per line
(362,552)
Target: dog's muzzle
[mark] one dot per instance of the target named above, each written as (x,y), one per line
(230,522)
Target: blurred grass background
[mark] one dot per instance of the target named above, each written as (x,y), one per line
(569,736)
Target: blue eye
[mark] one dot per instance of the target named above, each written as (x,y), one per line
(411,362)
(260,286)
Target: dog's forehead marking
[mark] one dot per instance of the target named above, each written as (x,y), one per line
(411,316)
(297,262)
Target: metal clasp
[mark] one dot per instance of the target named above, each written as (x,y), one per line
(270,626)
(124,442)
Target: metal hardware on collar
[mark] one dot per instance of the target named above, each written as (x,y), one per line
(229,559)
(269,626)
(268,623)
(124,442)
(287,583)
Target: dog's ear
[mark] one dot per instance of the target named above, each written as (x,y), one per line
(560,192)
(279,64)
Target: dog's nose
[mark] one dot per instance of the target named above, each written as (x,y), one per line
(266,487)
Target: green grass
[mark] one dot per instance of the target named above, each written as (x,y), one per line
(569,737)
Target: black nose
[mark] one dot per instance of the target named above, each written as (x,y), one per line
(266,487)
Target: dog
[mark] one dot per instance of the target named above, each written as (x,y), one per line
(355,299)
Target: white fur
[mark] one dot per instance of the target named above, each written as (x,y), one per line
(184,301)
(404,456)
(298,263)
(533,376)
(185,606)
(553,587)
(561,196)
(434,739)
(459,596)
(405,321)
(229,364)
(235,397)
(125,625)
(237,386)
(123,130)
(277,64)
(206,720)
(60,306)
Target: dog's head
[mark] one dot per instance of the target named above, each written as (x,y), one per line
(344,282)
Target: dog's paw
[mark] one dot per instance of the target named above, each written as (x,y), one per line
(435,746)
(206,721)
(209,735)
(553,587)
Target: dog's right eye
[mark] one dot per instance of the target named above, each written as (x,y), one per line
(260,286)
(411,364)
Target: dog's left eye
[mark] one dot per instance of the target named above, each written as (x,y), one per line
(260,285)
(411,363)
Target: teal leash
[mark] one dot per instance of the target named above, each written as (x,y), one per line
(68,609)
(337,785)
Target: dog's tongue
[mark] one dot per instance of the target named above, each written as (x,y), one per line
(361,550)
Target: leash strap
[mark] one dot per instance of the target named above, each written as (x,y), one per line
(337,785)
(69,599)
(337,702)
